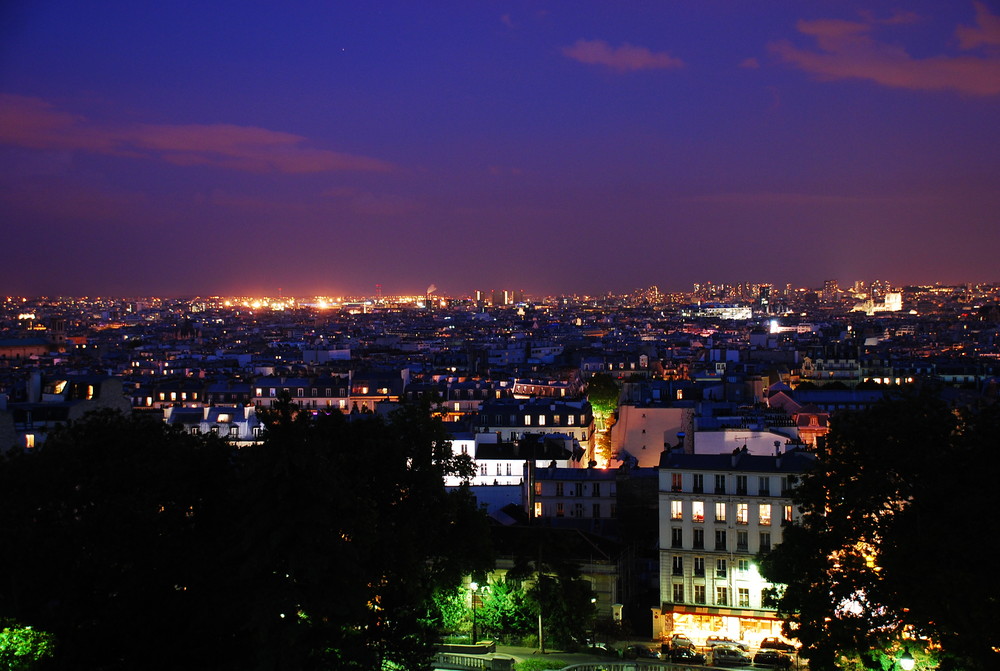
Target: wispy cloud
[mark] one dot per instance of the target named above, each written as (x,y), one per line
(624,58)
(848,50)
(35,124)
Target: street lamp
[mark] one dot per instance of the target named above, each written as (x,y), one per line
(906,661)
(593,630)
(474,586)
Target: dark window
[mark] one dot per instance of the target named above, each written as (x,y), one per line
(741,485)
(720,484)
(720,568)
(720,539)
(699,539)
(765,541)
(678,565)
(676,538)
(699,483)
(699,567)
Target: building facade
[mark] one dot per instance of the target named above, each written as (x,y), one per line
(716,514)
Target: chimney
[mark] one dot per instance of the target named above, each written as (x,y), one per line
(35,387)
(777,454)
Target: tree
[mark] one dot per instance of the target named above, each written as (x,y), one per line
(23,648)
(873,558)
(602,392)
(140,546)
(105,532)
(505,612)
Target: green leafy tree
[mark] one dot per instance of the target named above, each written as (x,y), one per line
(602,392)
(23,648)
(873,558)
(505,613)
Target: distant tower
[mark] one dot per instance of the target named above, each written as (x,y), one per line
(378,293)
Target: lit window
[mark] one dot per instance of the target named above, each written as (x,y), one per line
(744,597)
(722,596)
(720,512)
(173,396)
(675,482)
(786,514)
(538,507)
(458,406)
(225,417)
(541,420)
(527,420)
(676,510)
(742,513)
(569,419)
(765,513)
(697,511)
(29,440)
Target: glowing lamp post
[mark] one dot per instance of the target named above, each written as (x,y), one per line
(906,661)
(475,588)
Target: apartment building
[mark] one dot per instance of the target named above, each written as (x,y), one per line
(717,513)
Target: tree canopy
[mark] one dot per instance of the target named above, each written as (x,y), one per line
(139,546)
(888,552)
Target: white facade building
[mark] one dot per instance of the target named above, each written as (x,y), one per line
(716,514)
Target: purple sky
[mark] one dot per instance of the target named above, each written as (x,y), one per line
(577,146)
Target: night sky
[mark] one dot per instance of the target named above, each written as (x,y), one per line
(556,147)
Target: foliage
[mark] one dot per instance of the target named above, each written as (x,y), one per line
(602,392)
(452,609)
(858,570)
(505,613)
(540,664)
(564,600)
(321,547)
(23,648)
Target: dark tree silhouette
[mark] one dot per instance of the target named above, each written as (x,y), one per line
(891,539)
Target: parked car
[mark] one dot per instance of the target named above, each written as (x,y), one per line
(775,643)
(724,655)
(770,657)
(636,651)
(681,641)
(685,656)
(713,641)
(601,650)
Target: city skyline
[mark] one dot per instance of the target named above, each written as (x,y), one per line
(551,147)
